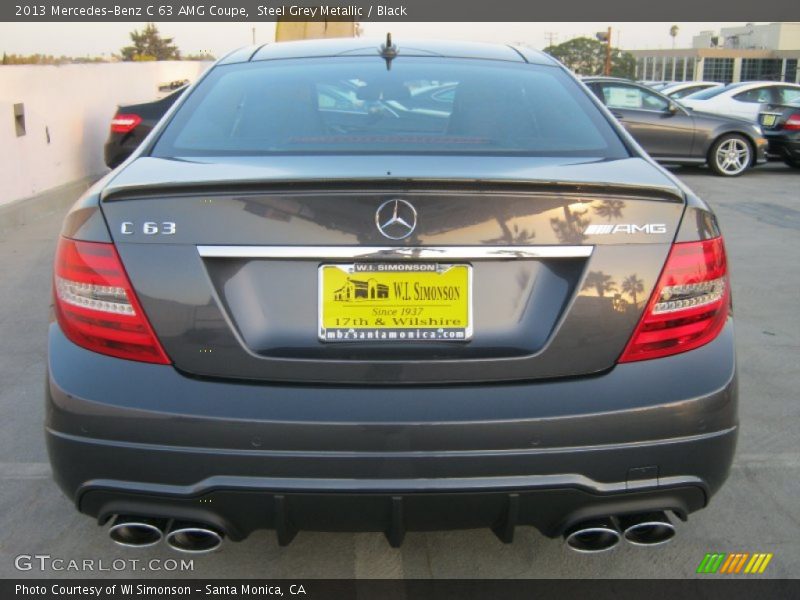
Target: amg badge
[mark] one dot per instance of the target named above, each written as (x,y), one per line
(604,229)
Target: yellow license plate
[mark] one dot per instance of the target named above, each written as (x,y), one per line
(395,302)
(768,120)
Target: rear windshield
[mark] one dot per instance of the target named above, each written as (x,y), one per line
(681,93)
(357,105)
(708,93)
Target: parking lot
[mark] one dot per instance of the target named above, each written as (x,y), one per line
(758,510)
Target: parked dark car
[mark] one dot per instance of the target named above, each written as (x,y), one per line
(284,314)
(131,124)
(673,134)
(781,125)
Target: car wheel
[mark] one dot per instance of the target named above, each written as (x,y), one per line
(731,155)
(792,162)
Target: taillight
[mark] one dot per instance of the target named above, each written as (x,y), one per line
(96,306)
(689,305)
(125,123)
(792,123)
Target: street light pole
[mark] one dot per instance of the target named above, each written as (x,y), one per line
(605,36)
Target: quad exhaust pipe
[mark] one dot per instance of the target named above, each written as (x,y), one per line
(193,538)
(183,536)
(136,532)
(647,529)
(595,535)
(599,535)
(590,536)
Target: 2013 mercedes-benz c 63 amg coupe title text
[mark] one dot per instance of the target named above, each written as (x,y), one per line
(358,285)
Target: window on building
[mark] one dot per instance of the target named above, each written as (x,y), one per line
(790,74)
(689,69)
(718,69)
(658,75)
(761,69)
(648,68)
(679,71)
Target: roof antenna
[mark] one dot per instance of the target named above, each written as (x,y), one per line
(388,51)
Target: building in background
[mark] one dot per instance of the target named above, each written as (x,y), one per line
(748,53)
(289,30)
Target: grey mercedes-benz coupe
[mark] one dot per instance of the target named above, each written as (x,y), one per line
(308,303)
(674,134)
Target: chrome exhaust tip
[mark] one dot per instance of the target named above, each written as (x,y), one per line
(136,532)
(647,529)
(595,535)
(193,538)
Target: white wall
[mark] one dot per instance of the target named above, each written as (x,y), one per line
(74,103)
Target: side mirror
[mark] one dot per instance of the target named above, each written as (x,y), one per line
(673,108)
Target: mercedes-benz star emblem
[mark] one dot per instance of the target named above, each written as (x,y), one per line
(396,219)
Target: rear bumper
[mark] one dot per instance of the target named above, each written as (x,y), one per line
(762,146)
(127,437)
(784,145)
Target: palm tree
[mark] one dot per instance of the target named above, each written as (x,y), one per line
(632,285)
(673,31)
(600,282)
(512,235)
(619,303)
(609,209)
(569,230)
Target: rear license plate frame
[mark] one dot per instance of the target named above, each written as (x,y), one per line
(417,327)
(768,120)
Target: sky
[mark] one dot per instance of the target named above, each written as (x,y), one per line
(103,39)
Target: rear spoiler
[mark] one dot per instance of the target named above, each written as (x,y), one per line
(193,188)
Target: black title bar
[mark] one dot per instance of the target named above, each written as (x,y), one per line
(709,588)
(399,10)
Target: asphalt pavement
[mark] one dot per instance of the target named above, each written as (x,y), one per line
(758,510)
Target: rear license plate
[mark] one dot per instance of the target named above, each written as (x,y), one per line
(768,120)
(395,302)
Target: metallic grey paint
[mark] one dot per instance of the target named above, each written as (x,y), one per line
(532,419)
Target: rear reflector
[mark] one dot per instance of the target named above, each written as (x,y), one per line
(125,123)
(792,123)
(96,306)
(689,305)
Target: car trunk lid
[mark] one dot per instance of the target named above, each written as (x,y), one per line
(226,257)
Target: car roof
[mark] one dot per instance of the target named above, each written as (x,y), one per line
(746,85)
(609,78)
(688,83)
(371,47)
